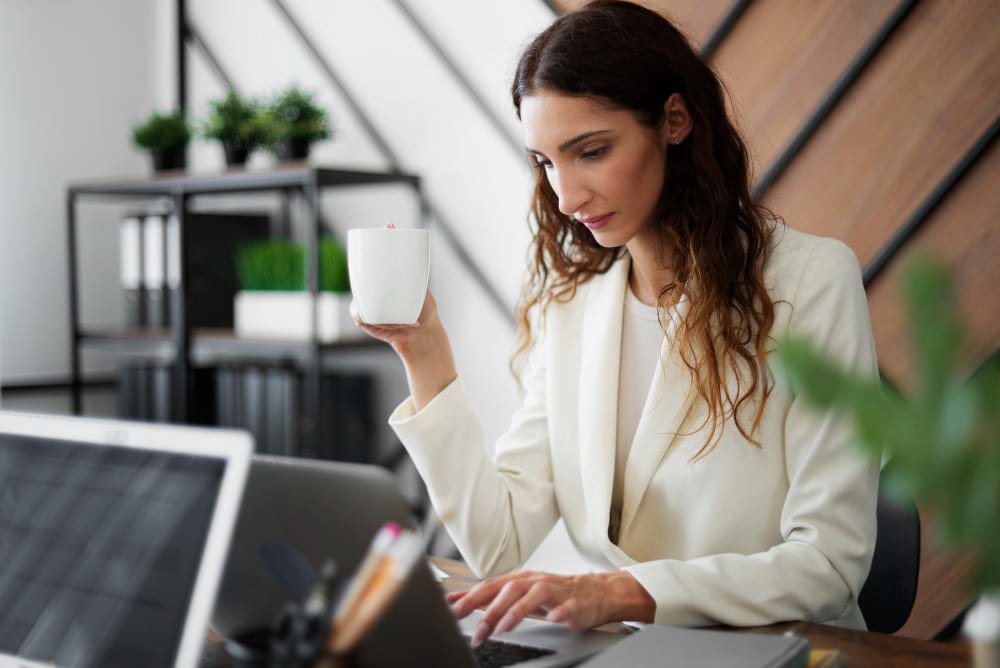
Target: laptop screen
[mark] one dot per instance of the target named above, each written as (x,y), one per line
(101,547)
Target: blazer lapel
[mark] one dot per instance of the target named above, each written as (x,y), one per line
(663,415)
(598,392)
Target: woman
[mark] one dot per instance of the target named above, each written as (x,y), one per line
(700,491)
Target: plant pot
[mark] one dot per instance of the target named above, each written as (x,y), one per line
(236,154)
(982,627)
(169,159)
(289,149)
(285,316)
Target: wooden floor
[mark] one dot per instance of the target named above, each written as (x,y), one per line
(941,594)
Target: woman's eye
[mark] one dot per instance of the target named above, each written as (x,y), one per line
(594,154)
(541,164)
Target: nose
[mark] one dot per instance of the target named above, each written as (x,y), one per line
(570,190)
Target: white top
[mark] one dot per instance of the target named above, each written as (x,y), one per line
(743,536)
(642,335)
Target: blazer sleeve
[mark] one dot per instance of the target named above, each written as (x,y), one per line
(497,511)
(827,521)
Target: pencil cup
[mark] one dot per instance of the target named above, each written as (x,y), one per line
(388,268)
(249,649)
(253,649)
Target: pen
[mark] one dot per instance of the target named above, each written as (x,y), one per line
(384,586)
(318,602)
(377,549)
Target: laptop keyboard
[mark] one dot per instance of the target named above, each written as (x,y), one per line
(496,653)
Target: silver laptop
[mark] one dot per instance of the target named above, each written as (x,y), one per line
(113,536)
(298,513)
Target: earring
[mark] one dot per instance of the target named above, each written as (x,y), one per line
(677,140)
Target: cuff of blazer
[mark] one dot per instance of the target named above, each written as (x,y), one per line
(406,417)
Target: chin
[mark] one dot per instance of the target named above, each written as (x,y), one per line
(607,240)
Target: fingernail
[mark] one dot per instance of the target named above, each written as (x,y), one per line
(508,622)
(481,634)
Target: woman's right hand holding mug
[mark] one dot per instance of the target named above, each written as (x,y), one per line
(424,349)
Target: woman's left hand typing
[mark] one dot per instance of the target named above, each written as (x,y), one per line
(578,601)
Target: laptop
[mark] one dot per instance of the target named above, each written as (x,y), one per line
(113,536)
(298,513)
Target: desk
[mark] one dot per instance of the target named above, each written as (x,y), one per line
(863,648)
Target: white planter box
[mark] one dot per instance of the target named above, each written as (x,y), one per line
(285,316)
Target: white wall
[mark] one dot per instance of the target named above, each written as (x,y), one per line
(75,76)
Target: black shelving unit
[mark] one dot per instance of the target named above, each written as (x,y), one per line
(181,345)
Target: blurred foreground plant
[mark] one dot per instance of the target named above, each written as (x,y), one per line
(943,438)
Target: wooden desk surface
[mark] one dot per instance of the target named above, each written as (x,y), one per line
(864,649)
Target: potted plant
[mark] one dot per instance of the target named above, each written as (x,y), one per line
(295,122)
(165,136)
(236,122)
(942,439)
(273,303)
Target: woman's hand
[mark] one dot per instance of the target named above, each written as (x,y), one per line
(578,601)
(424,349)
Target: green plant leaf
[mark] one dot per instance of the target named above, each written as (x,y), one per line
(292,113)
(162,131)
(235,120)
(282,265)
(943,437)
(937,332)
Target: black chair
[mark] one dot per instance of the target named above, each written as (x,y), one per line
(887,595)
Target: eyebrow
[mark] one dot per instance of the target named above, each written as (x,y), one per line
(563,147)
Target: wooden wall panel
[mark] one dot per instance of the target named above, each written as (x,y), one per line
(964,231)
(921,104)
(696,18)
(774,84)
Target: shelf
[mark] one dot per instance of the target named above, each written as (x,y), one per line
(185,348)
(239,180)
(215,346)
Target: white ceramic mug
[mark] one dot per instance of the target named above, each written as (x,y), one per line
(388,268)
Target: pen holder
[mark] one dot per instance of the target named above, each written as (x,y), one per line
(253,649)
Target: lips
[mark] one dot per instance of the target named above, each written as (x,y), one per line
(597,222)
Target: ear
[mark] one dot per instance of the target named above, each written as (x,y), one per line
(677,122)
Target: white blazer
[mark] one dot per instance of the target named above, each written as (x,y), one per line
(744,536)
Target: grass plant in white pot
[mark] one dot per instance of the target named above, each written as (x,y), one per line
(273,302)
(941,439)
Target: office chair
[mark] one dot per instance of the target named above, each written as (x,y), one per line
(887,595)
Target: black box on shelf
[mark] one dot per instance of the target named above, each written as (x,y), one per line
(212,240)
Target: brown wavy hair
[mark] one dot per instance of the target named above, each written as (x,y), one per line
(629,57)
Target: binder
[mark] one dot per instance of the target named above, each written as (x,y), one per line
(130,270)
(701,648)
(282,412)
(128,392)
(146,392)
(173,266)
(161,393)
(154,271)
(255,408)
(225,398)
